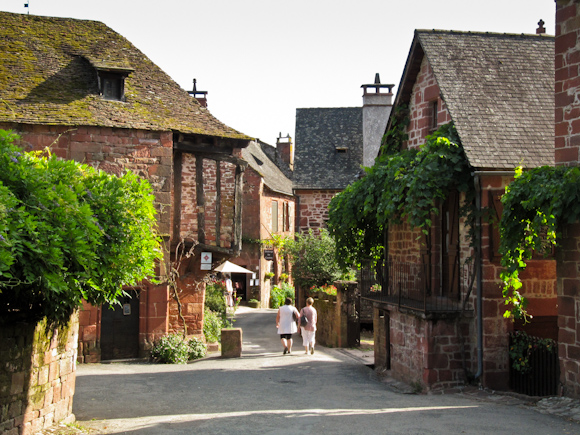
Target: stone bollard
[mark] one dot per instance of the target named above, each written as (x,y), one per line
(231,342)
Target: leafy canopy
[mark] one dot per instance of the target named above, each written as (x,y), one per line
(69,232)
(536,203)
(402,186)
(313,259)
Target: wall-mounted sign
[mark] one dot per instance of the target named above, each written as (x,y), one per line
(268,254)
(206,261)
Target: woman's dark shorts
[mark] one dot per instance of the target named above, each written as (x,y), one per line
(286,336)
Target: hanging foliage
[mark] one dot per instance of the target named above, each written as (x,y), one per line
(536,203)
(402,186)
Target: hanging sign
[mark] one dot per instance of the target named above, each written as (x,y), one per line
(268,254)
(206,261)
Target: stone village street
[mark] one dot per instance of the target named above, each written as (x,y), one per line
(265,392)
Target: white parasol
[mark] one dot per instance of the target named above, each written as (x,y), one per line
(229,267)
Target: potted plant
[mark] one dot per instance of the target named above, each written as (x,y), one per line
(254,303)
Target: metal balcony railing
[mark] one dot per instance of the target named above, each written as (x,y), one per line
(416,287)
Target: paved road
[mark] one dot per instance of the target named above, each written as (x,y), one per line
(265,392)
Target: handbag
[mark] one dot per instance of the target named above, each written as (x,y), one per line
(303,320)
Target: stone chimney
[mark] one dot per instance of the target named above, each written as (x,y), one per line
(377,107)
(200,96)
(285,150)
(541,29)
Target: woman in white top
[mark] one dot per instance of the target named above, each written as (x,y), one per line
(286,324)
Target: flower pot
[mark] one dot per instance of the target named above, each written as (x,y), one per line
(254,304)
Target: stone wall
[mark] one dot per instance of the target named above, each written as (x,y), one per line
(567,63)
(425,94)
(568,260)
(313,209)
(37,376)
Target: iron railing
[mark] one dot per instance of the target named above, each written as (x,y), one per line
(543,376)
(416,286)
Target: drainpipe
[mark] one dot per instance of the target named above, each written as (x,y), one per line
(477,182)
(478,256)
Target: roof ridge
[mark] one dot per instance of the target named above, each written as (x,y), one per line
(483,33)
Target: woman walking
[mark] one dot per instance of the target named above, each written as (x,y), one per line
(309,330)
(286,324)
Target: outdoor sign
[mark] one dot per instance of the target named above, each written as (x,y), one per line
(268,254)
(206,261)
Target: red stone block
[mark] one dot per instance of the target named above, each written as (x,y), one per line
(90,333)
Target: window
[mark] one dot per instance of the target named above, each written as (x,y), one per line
(285,216)
(111,80)
(434,113)
(274,216)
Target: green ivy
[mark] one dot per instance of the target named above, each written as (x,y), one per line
(536,203)
(402,186)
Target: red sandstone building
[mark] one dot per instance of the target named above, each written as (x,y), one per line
(88,94)
(269,211)
(498,91)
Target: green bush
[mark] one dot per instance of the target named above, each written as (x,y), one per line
(279,293)
(197,348)
(69,233)
(212,326)
(170,349)
(214,298)
(173,349)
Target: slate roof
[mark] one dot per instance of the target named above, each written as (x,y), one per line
(259,161)
(318,134)
(48,76)
(499,90)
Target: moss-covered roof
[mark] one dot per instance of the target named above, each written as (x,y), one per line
(48,75)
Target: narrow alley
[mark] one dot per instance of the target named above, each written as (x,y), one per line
(266,392)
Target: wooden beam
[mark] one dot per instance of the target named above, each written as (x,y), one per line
(200,199)
(218,202)
(177,175)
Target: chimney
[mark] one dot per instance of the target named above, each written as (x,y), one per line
(540,30)
(285,150)
(377,107)
(200,96)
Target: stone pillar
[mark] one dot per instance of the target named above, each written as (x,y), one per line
(568,271)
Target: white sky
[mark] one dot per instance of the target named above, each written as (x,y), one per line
(260,60)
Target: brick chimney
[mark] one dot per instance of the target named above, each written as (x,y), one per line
(200,96)
(377,107)
(285,150)
(541,29)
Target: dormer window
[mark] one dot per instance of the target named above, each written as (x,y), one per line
(341,150)
(112,80)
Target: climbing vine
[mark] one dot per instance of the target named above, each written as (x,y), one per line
(536,203)
(402,186)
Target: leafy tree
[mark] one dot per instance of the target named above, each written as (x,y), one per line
(313,259)
(69,232)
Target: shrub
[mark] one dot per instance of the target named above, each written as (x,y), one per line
(170,349)
(214,298)
(212,326)
(280,293)
(173,349)
(197,348)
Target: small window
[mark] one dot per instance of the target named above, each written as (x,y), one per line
(434,113)
(274,216)
(112,88)
(341,150)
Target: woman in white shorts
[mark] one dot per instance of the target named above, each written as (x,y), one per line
(309,331)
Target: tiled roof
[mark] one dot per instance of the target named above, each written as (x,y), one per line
(329,147)
(274,178)
(48,75)
(499,90)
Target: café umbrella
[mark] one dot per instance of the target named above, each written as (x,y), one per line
(228,267)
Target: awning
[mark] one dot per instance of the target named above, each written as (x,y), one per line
(229,267)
